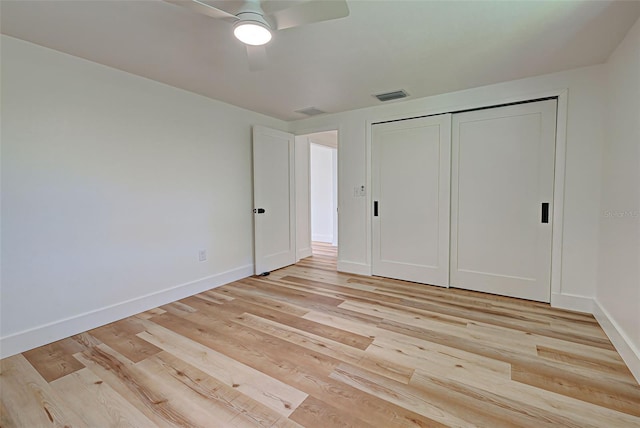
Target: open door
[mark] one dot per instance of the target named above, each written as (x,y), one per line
(273,199)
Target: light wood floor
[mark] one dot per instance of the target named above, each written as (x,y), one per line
(307,346)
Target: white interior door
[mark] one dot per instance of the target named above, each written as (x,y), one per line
(502,177)
(273,198)
(411,188)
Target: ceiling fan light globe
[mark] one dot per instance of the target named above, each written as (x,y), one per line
(252,33)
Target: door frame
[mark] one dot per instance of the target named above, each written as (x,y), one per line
(562,95)
(313,130)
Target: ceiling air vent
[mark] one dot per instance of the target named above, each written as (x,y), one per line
(388,96)
(311,111)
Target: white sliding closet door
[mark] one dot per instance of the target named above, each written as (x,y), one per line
(501,199)
(411,170)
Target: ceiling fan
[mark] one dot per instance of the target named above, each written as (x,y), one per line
(254,21)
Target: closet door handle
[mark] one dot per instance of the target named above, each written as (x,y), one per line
(375,208)
(545,212)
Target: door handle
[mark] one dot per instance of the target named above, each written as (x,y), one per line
(545,212)
(375,208)
(258,211)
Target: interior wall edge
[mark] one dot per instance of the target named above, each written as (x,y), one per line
(41,335)
(620,340)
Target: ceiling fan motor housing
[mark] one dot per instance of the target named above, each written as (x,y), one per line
(252,18)
(252,29)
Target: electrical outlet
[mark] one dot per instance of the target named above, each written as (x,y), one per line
(202,255)
(359,191)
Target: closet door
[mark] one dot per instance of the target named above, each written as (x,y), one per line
(501,200)
(410,178)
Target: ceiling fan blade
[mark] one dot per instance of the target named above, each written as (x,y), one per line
(257,57)
(203,9)
(309,12)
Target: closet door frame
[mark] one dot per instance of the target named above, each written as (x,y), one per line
(558,299)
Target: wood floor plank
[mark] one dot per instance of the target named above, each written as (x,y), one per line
(509,319)
(308,346)
(492,409)
(151,312)
(216,296)
(471,300)
(412,352)
(121,336)
(330,277)
(389,368)
(397,393)
(29,400)
(55,360)
(275,360)
(82,390)
(85,341)
(606,356)
(137,388)
(348,324)
(316,413)
(302,338)
(196,401)
(459,330)
(291,295)
(562,405)
(457,312)
(256,385)
(598,390)
(230,338)
(231,398)
(5,418)
(251,297)
(234,309)
(178,308)
(453,403)
(608,364)
(342,336)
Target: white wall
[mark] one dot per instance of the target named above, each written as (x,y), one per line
(618,290)
(582,178)
(111,183)
(322,200)
(303,201)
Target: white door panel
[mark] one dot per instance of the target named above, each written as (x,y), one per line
(273,184)
(502,172)
(410,174)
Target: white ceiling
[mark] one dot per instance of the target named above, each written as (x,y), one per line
(424,47)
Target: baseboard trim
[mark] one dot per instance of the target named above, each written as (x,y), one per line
(623,344)
(353,267)
(47,333)
(572,302)
(305,252)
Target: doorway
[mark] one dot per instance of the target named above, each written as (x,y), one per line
(317,176)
